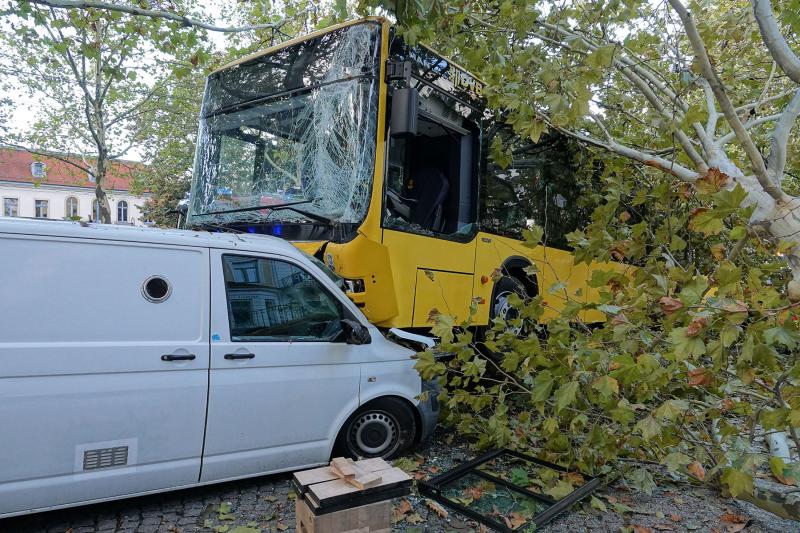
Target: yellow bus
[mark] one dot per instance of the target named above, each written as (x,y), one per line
(371,155)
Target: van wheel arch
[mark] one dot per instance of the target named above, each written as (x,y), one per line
(383,413)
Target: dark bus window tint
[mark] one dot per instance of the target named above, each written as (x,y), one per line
(541,187)
(272,300)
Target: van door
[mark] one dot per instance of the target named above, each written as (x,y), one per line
(282,382)
(103,369)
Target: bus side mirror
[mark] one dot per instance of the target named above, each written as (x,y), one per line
(404,112)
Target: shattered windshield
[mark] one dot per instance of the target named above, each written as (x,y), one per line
(295,130)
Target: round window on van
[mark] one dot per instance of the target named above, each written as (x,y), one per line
(156,289)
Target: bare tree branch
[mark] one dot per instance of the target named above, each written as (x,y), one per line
(780,138)
(774,40)
(728,137)
(648,85)
(756,160)
(139,12)
(762,101)
(713,115)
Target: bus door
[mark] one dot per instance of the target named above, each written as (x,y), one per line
(430,214)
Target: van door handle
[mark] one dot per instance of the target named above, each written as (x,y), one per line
(239,355)
(170,357)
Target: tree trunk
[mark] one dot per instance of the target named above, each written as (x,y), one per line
(100,194)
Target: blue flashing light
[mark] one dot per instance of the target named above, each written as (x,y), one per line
(276,230)
(251,229)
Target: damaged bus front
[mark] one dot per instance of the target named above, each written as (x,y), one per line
(287,140)
(370,154)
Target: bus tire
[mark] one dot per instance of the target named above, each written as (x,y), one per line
(500,307)
(384,428)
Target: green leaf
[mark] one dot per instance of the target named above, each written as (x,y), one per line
(693,290)
(774,418)
(542,386)
(728,201)
(601,57)
(671,409)
(675,460)
(533,236)
(648,427)
(641,479)
(729,334)
(598,504)
(519,476)
(737,482)
(686,347)
(565,395)
(781,335)
(606,386)
(559,490)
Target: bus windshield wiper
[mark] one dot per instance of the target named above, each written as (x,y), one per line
(276,207)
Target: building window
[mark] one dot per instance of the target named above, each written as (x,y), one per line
(37,169)
(10,207)
(72,208)
(40,208)
(122,211)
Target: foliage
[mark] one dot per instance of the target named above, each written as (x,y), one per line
(694,361)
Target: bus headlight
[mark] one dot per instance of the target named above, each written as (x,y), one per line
(354,285)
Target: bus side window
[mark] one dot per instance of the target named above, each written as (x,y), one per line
(540,187)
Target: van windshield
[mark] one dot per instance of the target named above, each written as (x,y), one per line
(298,125)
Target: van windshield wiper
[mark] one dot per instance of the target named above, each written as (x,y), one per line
(276,207)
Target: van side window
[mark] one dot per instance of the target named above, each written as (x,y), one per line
(273,300)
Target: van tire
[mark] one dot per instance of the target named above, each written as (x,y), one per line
(384,428)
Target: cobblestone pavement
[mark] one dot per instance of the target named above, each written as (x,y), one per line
(266,505)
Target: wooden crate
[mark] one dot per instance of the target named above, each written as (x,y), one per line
(371,518)
(328,503)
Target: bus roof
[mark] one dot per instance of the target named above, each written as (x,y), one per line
(299,39)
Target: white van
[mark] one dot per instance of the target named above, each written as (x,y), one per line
(136,360)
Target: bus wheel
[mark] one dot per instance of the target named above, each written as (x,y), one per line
(501,306)
(382,428)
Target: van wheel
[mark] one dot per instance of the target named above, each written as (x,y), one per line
(383,428)
(501,308)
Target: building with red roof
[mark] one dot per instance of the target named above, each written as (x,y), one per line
(41,186)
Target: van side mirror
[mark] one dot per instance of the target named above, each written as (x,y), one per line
(403,122)
(355,332)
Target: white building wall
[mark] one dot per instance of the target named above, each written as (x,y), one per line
(56,196)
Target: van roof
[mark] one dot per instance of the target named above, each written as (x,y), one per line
(175,237)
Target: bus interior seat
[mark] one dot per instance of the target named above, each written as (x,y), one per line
(431,192)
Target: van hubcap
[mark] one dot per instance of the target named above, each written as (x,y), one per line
(374,432)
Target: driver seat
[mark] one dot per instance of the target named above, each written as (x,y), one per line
(431,188)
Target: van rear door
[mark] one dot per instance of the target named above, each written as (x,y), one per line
(103,378)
